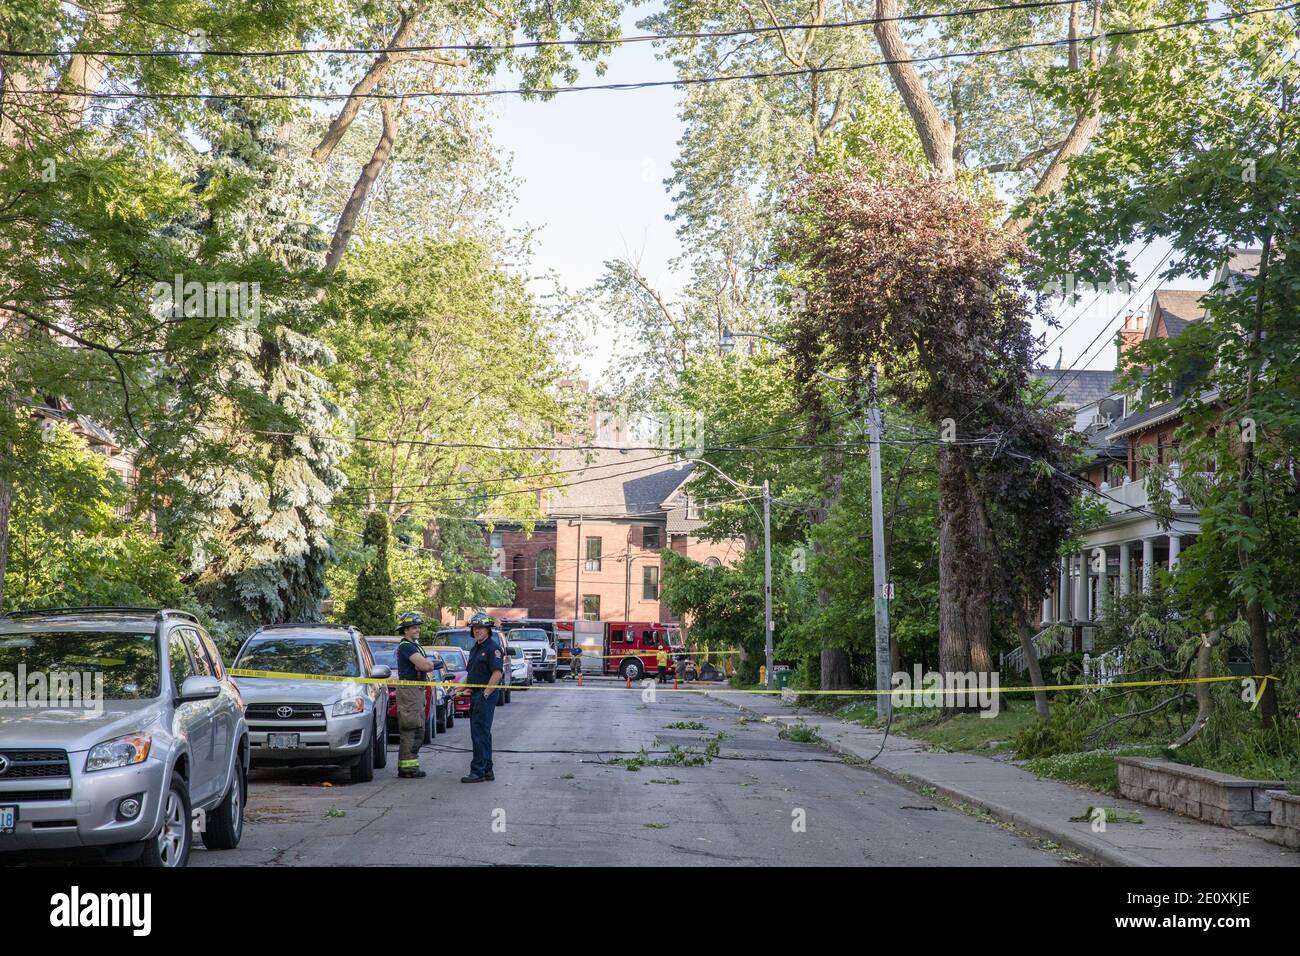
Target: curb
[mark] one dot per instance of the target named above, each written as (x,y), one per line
(1096,850)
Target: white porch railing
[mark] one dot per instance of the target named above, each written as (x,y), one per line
(1104,668)
(1050,640)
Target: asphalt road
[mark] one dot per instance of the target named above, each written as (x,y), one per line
(558,800)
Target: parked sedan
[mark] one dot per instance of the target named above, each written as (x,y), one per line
(305,721)
(385,651)
(155,732)
(461,637)
(457,670)
(521,668)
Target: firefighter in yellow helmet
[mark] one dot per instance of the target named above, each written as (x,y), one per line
(411,665)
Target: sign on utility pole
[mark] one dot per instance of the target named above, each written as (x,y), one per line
(878,572)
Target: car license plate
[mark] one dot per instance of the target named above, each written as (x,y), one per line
(8,819)
(282,741)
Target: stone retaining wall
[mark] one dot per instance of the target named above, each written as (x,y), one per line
(1284,809)
(1207,795)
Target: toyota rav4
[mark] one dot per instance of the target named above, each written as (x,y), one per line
(127,735)
(324,716)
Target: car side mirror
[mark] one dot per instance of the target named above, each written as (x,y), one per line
(199,687)
(381,672)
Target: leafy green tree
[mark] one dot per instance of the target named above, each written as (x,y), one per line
(71,545)
(1207,160)
(443,350)
(245,458)
(723,605)
(904,269)
(91,194)
(372,610)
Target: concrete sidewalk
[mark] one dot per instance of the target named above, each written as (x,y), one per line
(1040,806)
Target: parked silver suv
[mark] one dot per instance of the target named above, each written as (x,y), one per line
(313,721)
(128,736)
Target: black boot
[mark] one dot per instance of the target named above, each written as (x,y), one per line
(489,775)
(411,774)
(472,778)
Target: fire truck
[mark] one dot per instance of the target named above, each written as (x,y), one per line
(629,649)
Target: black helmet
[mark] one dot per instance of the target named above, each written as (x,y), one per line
(409,619)
(482,620)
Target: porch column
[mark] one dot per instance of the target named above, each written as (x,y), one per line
(1124,585)
(1148,564)
(1175,546)
(1046,617)
(1081,590)
(1063,592)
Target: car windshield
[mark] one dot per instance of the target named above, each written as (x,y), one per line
(127,662)
(455,660)
(301,655)
(384,652)
(459,636)
(528,634)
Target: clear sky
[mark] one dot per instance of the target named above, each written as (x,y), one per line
(591,167)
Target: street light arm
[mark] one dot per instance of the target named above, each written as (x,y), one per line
(724,476)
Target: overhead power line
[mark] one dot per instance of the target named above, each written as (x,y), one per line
(680,81)
(544,44)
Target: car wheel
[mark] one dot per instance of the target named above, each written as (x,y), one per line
(363,771)
(381,748)
(225,825)
(550,678)
(451,716)
(428,730)
(171,846)
(442,721)
(632,670)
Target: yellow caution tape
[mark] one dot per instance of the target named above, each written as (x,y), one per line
(965,691)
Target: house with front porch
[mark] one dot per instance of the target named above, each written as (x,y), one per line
(1123,432)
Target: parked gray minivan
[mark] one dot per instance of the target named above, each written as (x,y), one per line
(148,744)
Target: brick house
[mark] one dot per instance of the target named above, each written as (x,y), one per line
(596,556)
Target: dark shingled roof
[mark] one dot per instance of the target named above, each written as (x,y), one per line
(1077,388)
(1138,420)
(616,482)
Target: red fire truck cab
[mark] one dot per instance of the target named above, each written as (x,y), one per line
(631,649)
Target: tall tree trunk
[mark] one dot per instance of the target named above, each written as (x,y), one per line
(1255,616)
(965,560)
(366,85)
(1026,633)
(936,133)
(1203,691)
(357,200)
(6,506)
(835,672)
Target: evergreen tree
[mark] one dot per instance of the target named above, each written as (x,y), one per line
(255,475)
(373,609)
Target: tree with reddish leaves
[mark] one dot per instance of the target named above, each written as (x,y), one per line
(910,273)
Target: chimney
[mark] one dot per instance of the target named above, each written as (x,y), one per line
(1129,336)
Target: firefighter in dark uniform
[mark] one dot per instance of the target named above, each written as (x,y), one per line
(411,665)
(485,667)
